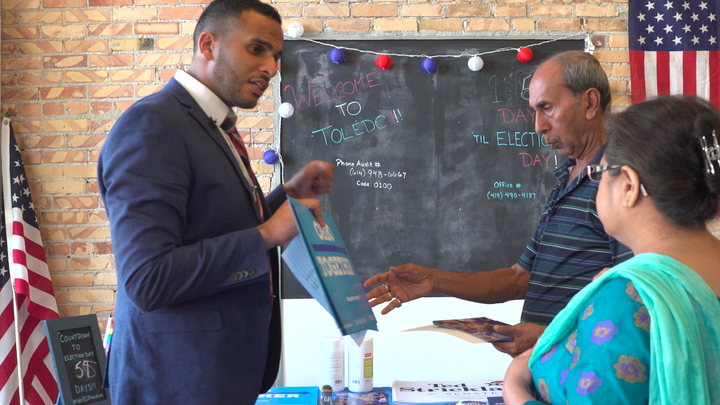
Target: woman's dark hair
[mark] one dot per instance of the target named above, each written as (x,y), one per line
(661,140)
(219,15)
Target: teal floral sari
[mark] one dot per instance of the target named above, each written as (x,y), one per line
(647,331)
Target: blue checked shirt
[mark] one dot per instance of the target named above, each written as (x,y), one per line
(569,247)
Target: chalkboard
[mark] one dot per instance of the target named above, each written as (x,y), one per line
(79,358)
(440,169)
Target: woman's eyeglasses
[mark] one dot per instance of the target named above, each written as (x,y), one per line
(594,172)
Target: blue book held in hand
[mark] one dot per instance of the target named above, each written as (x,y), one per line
(320,261)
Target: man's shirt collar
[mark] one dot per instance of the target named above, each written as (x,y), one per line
(210,103)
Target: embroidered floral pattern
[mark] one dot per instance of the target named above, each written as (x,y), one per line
(563,377)
(572,341)
(575,358)
(548,355)
(588,383)
(603,332)
(632,292)
(642,318)
(630,369)
(544,390)
(588,311)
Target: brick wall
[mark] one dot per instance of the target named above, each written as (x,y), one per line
(71,67)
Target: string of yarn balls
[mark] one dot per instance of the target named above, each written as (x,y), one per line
(286,110)
(383,62)
(296,30)
(429,65)
(337,55)
(524,55)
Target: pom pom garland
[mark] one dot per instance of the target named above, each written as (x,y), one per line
(337,55)
(270,157)
(524,55)
(286,110)
(383,62)
(429,65)
(296,30)
(475,63)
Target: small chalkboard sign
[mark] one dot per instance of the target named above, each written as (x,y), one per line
(79,358)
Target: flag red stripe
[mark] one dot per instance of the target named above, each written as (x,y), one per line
(6,318)
(637,76)
(40,282)
(7,367)
(31,247)
(31,395)
(19,257)
(35,363)
(41,312)
(47,379)
(15,398)
(663,73)
(689,72)
(714,69)
(27,330)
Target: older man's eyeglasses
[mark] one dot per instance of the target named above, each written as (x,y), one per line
(594,172)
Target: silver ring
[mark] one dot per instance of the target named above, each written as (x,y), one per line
(387,289)
(390,295)
(399,302)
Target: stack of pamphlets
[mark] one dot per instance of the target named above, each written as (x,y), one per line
(477,392)
(378,396)
(479,327)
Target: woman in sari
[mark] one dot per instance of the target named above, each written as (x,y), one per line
(647,330)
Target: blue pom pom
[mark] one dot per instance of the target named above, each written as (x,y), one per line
(429,65)
(337,55)
(270,157)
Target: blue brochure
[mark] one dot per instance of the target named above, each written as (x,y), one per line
(320,261)
(289,396)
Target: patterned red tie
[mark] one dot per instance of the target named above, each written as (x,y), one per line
(229,126)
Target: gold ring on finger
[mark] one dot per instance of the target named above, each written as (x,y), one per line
(387,289)
(390,295)
(399,302)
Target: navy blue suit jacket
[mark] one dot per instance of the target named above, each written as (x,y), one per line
(194,321)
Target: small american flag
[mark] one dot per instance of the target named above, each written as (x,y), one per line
(674,48)
(23,259)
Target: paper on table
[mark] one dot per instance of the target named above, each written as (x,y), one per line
(452,332)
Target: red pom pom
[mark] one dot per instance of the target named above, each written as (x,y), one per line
(524,55)
(383,62)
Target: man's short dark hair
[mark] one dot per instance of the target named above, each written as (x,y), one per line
(582,71)
(220,14)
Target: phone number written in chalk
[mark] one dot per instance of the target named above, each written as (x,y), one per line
(374,174)
(378,174)
(500,195)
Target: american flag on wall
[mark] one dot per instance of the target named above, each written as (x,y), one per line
(674,48)
(23,261)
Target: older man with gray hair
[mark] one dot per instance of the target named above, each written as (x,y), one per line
(570,93)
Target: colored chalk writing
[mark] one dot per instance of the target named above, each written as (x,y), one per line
(442,169)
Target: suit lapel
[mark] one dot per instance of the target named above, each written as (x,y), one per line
(213,132)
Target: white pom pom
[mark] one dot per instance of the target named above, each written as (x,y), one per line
(286,110)
(475,63)
(296,30)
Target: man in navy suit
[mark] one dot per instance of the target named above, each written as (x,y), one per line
(197,310)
